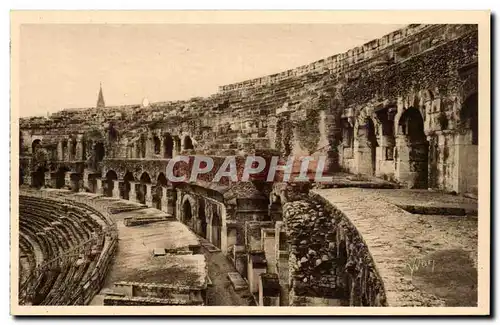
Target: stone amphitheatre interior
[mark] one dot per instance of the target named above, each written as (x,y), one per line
(100,223)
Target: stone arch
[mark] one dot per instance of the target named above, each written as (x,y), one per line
(168,143)
(187,143)
(111,177)
(412,149)
(127,179)
(187,210)
(35,145)
(145,178)
(158,193)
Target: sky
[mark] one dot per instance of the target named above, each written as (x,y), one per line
(61,66)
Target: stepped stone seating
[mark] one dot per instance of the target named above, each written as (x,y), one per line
(66,249)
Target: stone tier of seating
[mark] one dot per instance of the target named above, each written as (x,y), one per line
(65,249)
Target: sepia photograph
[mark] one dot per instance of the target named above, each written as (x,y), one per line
(288,163)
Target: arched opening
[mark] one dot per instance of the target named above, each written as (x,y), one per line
(161,187)
(414,156)
(216,229)
(187,213)
(38,177)
(110,184)
(72,153)
(188,143)
(100,151)
(145,181)
(157,145)
(64,151)
(35,145)
(129,177)
(202,219)
(168,143)
(60,177)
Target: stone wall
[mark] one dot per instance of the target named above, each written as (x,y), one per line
(329,262)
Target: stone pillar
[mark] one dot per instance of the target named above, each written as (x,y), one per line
(164,200)
(282,266)
(67,179)
(386,147)
(223,230)
(134,150)
(116,189)
(268,239)
(85,178)
(79,149)
(269,290)
(60,154)
(149,146)
(465,164)
(176,149)
(403,173)
(98,186)
(363,157)
(66,152)
(50,179)
(148,196)
(162,147)
(209,227)
(132,195)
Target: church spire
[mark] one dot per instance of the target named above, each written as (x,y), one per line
(100,98)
